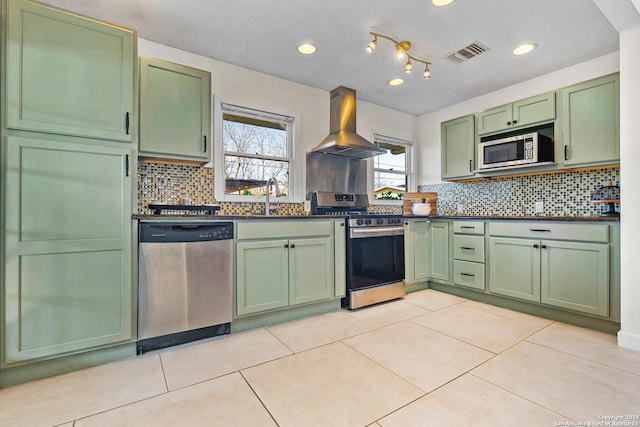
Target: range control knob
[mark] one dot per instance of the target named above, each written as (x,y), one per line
(367,221)
(359,221)
(379,221)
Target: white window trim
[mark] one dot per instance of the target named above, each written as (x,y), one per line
(220,106)
(410,169)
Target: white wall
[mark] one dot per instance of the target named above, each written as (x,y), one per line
(253,89)
(629,335)
(428,126)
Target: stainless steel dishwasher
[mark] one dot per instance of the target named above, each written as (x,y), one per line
(185,282)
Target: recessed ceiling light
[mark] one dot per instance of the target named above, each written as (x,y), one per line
(524,49)
(441,2)
(307,49)
(395,82)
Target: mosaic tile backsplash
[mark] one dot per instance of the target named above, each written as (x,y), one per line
(562,194)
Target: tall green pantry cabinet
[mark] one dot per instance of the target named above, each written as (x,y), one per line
(68,164)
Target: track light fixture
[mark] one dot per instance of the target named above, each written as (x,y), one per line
(402,49)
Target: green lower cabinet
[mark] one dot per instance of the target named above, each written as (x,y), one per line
(262,276)
(273,274)
(427,243)
(571,275)
(576,276)
(310,270)
(68,285)
(469,274)
(514,268)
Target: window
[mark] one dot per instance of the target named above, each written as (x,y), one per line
(256,146)
(392,171)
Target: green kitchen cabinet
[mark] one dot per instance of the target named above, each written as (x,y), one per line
(582,287)
(262,277)
(458,147)
(175,110)
(469,254)
(572,274)
(526,112)
(427,251)
(68,278)
(591,122)
(274,273)
(67,74)
(514,268)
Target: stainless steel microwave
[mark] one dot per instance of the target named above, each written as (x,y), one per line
(521,150)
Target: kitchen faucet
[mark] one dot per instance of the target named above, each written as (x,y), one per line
(270,181)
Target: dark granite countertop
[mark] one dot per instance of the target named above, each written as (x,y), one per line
(523,218)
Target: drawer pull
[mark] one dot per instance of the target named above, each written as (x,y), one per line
(467,226)
(467,249)
(536,246)
(467,274)
(540,229)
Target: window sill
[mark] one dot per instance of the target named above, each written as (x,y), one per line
(386,202)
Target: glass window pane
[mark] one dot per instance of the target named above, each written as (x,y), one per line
(394,159)
(248,135)
(248,176)
(389,185)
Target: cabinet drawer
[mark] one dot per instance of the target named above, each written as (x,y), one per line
(550,230)
(468,227)
(468,248)
(275,229)
(470,274)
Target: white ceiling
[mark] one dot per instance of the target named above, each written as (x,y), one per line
(263,34)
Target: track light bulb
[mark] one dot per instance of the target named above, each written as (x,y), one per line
(372,45)
(409,67)
(427,73)
(400,51)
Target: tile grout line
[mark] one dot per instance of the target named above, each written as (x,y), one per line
(258,397)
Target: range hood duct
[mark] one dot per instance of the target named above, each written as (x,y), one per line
(343,139)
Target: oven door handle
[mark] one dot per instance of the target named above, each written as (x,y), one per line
(362,233)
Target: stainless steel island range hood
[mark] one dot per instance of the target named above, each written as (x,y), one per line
(343,139)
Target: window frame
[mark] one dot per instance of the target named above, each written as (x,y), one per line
(220,108)
(409,171)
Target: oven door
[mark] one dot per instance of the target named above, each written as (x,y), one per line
(375,256)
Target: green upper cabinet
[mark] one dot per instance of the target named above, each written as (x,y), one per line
(458,147)
(175,110)
(526,112)
(68,74)
(591,121)
(68,275)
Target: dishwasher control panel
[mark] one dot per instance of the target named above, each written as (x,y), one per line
(185,232)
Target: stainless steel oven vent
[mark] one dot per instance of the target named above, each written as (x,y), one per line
(470,51)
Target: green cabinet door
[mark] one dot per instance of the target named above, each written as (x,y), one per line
(262,281)
(458,147)
(576,276)
(339,259)
(438,259)
(533,110)
(495,119)
(421,250)
(68,74)
(310,270)
(175,110)
(514,268)
(591,121)
(68,284)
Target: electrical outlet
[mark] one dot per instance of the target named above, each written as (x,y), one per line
(307,206)
(539,208)
(460,208)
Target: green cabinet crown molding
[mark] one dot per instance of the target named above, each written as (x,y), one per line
(175,110)
(55,81)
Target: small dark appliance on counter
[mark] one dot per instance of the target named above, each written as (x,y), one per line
(609,194)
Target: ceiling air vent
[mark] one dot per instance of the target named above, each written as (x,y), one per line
(467,52)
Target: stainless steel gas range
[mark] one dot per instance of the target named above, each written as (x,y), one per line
(375,248)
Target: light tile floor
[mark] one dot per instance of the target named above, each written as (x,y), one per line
(431,359)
